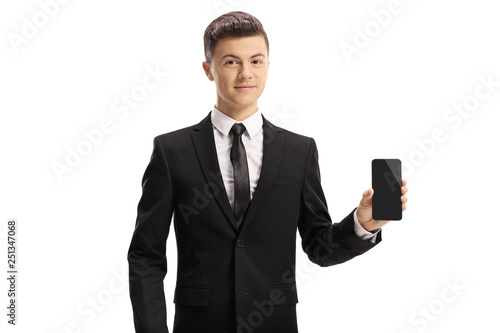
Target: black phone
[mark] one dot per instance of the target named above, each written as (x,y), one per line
(386,183)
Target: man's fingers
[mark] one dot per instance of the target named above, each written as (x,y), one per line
(367,197)
(404,190)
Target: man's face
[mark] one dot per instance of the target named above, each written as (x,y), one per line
(239,69)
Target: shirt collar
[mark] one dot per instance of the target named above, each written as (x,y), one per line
(224,123)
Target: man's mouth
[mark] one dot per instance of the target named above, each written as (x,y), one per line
(245,88)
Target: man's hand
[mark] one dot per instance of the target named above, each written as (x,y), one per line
(364,212)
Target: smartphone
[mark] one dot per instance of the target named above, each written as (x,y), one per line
(386,183)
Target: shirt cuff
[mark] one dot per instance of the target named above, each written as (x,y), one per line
(362,232)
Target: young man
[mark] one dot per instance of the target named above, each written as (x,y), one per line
(238,188)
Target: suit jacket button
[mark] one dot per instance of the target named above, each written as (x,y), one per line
(240,242)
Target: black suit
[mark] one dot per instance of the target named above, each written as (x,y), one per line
(231,280)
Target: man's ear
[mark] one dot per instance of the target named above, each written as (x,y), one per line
(208,71)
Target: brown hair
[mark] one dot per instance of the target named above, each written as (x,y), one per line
(233,24)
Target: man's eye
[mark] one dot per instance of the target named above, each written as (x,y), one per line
(230,62)
(256,62)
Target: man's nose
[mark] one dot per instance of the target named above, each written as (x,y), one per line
(245,72)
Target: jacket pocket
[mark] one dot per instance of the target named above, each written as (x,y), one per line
(282,295)
(191,296)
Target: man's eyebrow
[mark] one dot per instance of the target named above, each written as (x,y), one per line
(233,56)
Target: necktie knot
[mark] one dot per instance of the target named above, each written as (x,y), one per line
(238,129)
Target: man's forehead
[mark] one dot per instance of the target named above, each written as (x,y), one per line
(241,46)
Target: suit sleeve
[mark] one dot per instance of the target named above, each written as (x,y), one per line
(147,252)
(324,242)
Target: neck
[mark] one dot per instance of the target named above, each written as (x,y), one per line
(238,114)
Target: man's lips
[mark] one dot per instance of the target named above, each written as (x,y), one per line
(245,88)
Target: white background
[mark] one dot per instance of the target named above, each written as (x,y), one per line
(385,101)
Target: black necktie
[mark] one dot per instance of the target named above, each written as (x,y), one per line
(241,178)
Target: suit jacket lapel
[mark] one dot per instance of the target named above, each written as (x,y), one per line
(271,160)
(204,144)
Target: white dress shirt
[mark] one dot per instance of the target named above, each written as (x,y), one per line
(253,140)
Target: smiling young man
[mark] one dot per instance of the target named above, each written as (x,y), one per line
(238,188)
(239,68)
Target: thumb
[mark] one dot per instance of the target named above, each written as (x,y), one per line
(366,200)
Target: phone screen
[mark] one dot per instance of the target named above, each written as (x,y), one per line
(386,183)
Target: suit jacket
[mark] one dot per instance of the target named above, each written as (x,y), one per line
(231,280)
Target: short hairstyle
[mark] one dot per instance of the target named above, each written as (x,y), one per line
(232,24)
